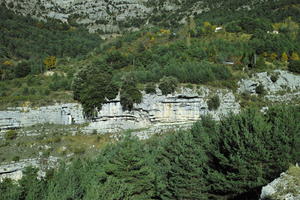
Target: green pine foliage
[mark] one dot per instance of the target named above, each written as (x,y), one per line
(27,38)
(167,85)
(126,172)
(214,160)
(181,168)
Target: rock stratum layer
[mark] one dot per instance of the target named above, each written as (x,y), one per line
(182,107)
(185,106)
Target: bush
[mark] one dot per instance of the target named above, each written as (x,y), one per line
(22,69)
(260,90)
(294,66)
(213,103)
(16,158)
(274,77)
(150,88)
(168,84)
(11,135)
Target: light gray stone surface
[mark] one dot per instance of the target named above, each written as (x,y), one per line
(282,188)
(14,170)
(286,82)
(109,16)
(64,114)
(185,106)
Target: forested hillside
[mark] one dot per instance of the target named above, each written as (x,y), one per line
(191,54)
(46,62)
(230,159)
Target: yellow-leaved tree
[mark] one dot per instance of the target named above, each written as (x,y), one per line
(284,57)
(273,56)
(8,63)
(50,62)
(295,56)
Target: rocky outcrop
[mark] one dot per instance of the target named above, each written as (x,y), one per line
(14,170)
(278,86)
(286,187)
(112,16)
(105,15)
(182,107)
(19,117)
(185,106)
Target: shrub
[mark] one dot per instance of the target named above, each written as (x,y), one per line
(11,135)
(294,66)
(78,150)
(22,69)
(150,88)
(274,77)
(168,84)
(16,158)
(213,103)
(260,90)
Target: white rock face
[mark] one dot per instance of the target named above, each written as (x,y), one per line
(108,16)
(185,106)
(104,15)
(282,188)
(64,114)
(285,87)
(14,170)
(181,107)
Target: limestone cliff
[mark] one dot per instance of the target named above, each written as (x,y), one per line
(184,106)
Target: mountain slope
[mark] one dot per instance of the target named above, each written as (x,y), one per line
(110,16)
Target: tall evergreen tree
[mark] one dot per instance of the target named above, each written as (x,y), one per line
(180,167)
(237,151)
(126,173)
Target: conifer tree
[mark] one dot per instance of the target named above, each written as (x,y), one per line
(283,142)
(126,173)
(181,168)
(237,152)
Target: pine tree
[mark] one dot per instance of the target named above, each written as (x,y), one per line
(284,141)
(238,152)
(126,171)
(10,190)
(67,182)
(181,168)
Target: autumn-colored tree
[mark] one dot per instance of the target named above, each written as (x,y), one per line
(165,31)
(8,63)
(50,62)
(273,56)
(295,56)
(265,54)
(284,57)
